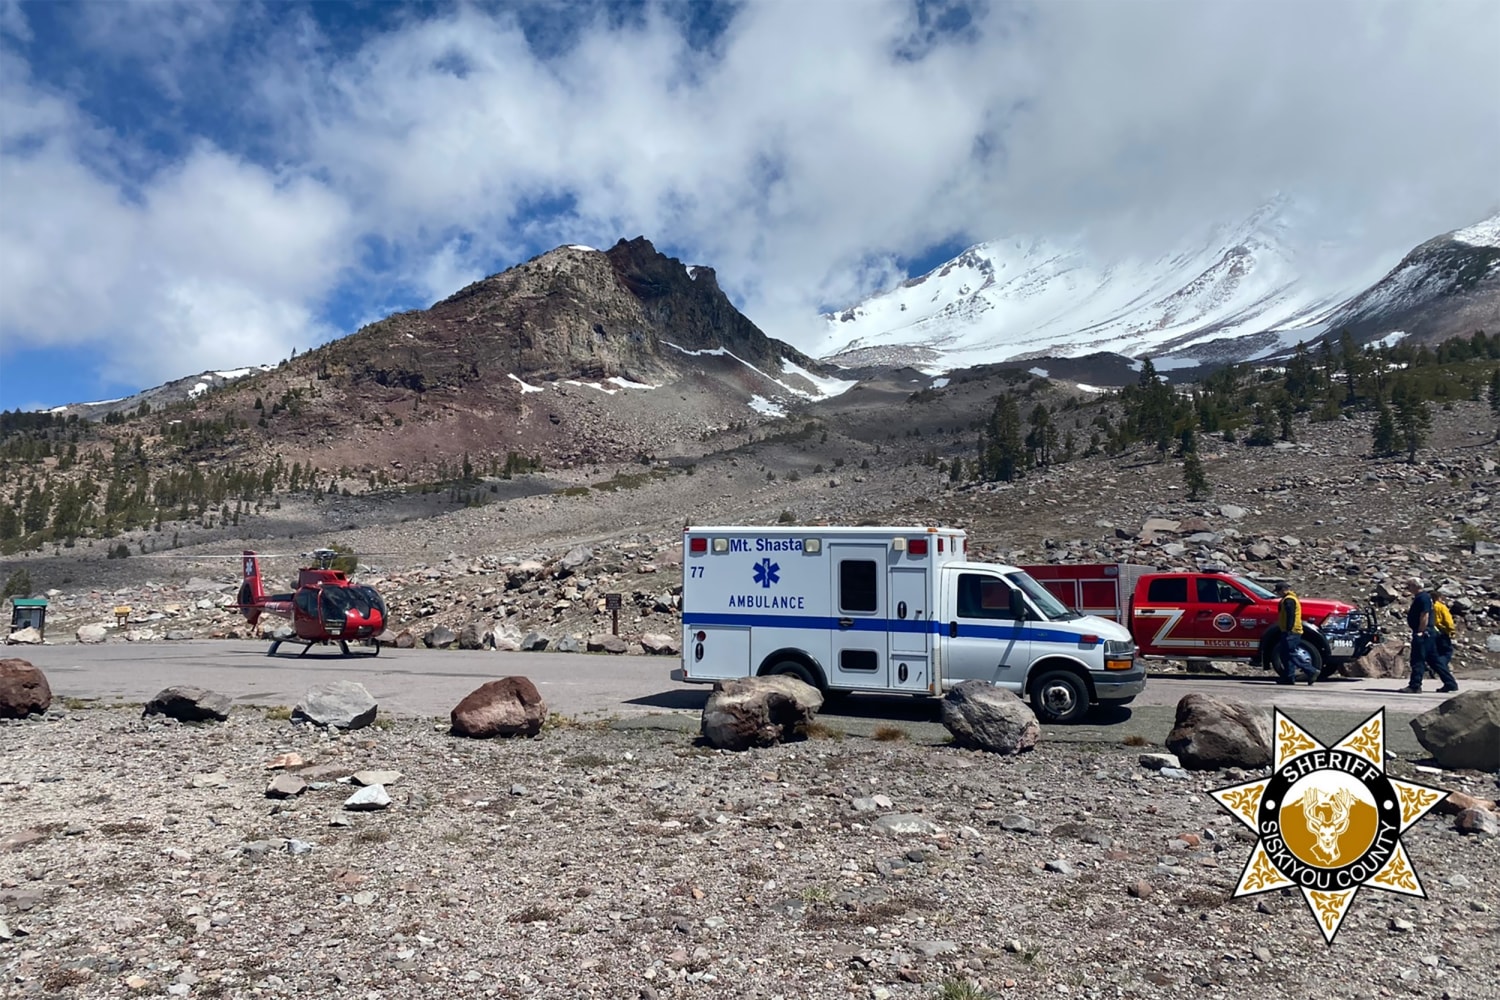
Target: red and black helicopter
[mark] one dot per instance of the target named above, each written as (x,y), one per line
(326,607)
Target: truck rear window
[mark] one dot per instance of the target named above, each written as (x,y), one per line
(858,589)
(1168,590)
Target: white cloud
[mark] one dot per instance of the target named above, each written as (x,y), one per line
(799,157)
(214,263)
(13,21)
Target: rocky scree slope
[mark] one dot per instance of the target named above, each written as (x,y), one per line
(139,857)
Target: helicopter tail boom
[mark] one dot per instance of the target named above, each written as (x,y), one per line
(252,595)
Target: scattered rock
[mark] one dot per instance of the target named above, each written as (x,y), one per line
(607,644)
(440,638)
(24,689)
(985,717)
(1477,821)
(905,825)
(376,777)
(189,704)
(24,637)
(368,799)
(510,706)
(338,704)
(91,634)
(759,711)
(285,786)
(660,644)
(1214,732)
(1463,732)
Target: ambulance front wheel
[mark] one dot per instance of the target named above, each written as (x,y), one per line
(1060,696)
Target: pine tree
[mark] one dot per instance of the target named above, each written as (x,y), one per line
(1000,451)
(1194,477)
(1383,434)
(1412,418)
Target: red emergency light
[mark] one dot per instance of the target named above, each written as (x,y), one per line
(916,546)
(697,546)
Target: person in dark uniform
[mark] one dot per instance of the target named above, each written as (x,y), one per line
(1424,654)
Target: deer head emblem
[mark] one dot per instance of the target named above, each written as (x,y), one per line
(1327,819)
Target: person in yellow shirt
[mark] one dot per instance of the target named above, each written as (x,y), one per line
(1289,620)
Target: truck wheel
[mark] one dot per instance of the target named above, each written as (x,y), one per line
(793,669)
(1317,661)
(1060,696)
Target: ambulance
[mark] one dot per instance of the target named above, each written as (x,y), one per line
(890,610)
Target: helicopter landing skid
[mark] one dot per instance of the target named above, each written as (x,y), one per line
(306,645)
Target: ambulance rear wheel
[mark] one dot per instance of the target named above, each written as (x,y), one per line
(1060,696)
(793,669)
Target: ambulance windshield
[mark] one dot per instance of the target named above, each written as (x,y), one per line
(1051,608)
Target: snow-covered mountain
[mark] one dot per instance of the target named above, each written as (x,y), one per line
(1445,287)
(1238,294)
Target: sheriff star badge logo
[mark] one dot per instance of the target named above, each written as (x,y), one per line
(1330,820)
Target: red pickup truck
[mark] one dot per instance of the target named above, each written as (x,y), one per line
(1207,614)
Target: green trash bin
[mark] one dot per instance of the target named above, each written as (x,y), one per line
(29,612)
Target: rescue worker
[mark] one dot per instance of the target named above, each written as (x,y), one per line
(1289,620)
(1424,655)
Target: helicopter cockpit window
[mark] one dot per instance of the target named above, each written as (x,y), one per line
(339,601)
(374,599)
(307,602)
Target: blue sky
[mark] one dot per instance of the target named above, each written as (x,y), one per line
(189,186)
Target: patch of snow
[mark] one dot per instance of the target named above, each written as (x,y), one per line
(198,390)
(716,351)
(761,404)
(1481,234)
(1038,372)
(1089,388)
(940,383)
(524,387)
(827,387)
(591,385)
(411,336)
(625,383)
(238,372)
(1390,339)
(1172,364)
(580,246)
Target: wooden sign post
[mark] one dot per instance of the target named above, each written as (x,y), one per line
(612,605)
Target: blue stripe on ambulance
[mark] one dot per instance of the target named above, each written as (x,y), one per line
(1001,632)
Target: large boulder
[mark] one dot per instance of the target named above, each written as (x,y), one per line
(1463,732)
(189,704)
(660,644)
(440,637)
(91,634)
(743,712)
(338,704)
(23,689)
(606,643)
(473,635)
(511,706)
(24,637)
(1391,658)
(985,717)
(1214,732)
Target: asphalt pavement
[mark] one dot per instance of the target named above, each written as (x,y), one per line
(638,690)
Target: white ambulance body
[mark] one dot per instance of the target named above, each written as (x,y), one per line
(890,609)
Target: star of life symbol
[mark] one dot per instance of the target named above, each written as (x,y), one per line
(1330,820)
(767,573)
